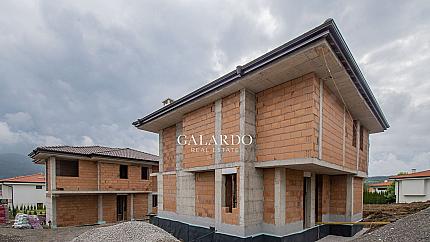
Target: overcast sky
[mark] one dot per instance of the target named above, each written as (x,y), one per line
(80,72)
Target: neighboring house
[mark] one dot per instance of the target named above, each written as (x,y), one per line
(24,190)
(95,184)
(413,187)
(379,187)
(309,112)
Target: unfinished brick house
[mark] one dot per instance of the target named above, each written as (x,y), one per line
(95,184)
(304,112)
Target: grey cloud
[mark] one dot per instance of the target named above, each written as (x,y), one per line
(79,72)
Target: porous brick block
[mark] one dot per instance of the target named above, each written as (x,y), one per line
(205,194)
(169,148)
(76,210)
(286,120)
(269,195)
(294,196)
(199,122)
(169,193)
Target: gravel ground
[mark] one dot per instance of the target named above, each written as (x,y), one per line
(413,228)
(36,235)
(127,231)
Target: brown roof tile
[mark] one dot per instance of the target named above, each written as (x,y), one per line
(413,175)
(35,178)
(380,184)
(125,153)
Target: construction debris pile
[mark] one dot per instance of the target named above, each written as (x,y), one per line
(128,231)
(25,221)
(391,212)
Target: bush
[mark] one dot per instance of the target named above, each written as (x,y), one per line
(375,198)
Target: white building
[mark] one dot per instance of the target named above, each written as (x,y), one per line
(24,190)
(379,187)
(413,187)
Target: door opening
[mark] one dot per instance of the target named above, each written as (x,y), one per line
(121,207)
(306,202)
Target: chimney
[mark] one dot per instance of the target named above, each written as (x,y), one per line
(413,170)
(167,101)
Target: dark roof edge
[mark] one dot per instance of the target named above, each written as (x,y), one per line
(39,150)
(328,30)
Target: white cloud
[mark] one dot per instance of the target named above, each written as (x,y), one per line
(87,141)
(9,137)
(390,164)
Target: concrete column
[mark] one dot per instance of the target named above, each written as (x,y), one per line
(53,185)
(160,150)
(358,143)
(160,191)
(219,183)
(280,195)
(250,179)
(52,173)
(132,206)
(100,209)
(218,129)
(179,148)
(349,197)
(53,212)
(150,203)
(185,193)
(160,172)
(320,130)
(312,197)
(98,176)
(219,196)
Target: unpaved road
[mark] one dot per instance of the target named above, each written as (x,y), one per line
(36,235)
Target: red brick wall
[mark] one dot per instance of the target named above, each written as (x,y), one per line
(47,176)
(199,122)
(169,193)
(350,151)
(269,195)
(169,148)
(109,178)
(140,207)
(230,124)
(109,208)
(325,198)
(363,163)
(332,128)
(286,120)
(358,195)
(87,179)
(338,194)
(76,210)
(205,194)
(294,196)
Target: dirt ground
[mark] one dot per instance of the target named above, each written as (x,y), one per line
(371,213)
(10,234)
(390,212)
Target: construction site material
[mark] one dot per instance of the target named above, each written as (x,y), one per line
(412,228)
(358,223)
(34,222)
(391,212)
(128,231)
(21,221)
(3,213)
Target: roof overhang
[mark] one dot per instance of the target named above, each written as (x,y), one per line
(300,56)
(40,156)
